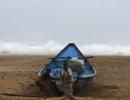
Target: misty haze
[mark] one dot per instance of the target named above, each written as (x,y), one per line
(28,26)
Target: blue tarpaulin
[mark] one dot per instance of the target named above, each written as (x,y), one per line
(70,51)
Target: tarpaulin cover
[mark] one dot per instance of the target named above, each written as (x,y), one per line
(70,51)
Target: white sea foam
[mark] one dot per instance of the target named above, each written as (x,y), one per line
(53,47)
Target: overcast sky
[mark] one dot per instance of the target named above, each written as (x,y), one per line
(80,21)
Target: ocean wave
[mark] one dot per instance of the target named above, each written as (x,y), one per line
(53,47)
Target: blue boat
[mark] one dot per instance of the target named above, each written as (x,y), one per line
(69,52)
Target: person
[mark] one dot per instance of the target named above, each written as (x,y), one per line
(67,80)
(43,82)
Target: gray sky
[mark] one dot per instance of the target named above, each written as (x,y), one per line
(80,21)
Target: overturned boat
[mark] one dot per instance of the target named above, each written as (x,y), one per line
(83,70)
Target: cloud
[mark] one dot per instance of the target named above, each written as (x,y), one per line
(53,47)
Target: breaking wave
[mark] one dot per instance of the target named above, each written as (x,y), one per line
(53,47)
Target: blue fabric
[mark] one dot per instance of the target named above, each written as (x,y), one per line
(86,73)
(69,51)
(55,73)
